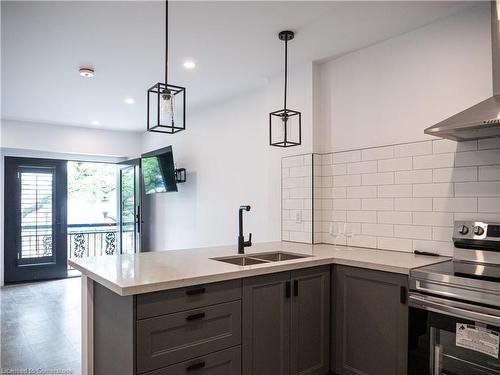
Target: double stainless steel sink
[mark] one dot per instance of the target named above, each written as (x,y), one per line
(252,259)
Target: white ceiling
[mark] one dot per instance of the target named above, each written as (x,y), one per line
(234,44)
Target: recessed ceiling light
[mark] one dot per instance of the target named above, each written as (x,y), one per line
(86,71)
(189,64)
(129,101)
(95,122)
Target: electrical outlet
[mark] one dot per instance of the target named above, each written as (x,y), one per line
(298,217)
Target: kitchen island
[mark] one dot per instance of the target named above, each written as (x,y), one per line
(125,298)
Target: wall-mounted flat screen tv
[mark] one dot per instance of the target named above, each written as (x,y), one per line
(158,171)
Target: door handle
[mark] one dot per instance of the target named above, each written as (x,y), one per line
(402,295)
(295,288)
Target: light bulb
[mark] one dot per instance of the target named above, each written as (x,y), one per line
(167,109)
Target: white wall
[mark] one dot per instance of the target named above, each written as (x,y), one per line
(226,152)
(45,138)
(388,93)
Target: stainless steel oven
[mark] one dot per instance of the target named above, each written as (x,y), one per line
(454,323)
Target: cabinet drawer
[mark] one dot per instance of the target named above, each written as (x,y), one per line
(168,339)
(175,300)
(225,362)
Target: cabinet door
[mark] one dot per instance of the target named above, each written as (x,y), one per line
(266,325)
(371,322)
(310,335)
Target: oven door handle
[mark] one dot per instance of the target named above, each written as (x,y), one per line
(457,309)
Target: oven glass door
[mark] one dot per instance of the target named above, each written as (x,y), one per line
(433,350)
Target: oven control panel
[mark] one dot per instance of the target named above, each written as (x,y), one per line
(476,230)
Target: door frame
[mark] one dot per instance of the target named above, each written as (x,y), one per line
(13,271)
(136,164)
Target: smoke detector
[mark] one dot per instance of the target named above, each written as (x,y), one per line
(86,71)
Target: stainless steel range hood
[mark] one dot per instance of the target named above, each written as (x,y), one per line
(483,119)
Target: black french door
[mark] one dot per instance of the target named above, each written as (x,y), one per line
(130,206)
(35,212)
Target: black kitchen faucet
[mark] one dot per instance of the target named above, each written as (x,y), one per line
(241,238)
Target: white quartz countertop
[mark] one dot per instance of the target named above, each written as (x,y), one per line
(130,274)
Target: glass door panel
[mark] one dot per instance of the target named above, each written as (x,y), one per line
(36,216)
(130,207)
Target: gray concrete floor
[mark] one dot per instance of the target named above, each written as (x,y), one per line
(40,326)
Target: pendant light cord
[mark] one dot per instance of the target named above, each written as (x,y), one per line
(286,70)
(166,41)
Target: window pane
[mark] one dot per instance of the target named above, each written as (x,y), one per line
(36,214)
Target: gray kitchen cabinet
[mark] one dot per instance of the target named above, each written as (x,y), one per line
(286,323)
(370,329)
(310,333)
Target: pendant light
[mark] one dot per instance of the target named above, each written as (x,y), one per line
(285,124)
(166,102)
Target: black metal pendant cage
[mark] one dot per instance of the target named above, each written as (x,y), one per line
(285,128)
(161,124)
(285,125)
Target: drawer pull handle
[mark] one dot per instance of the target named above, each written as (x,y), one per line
(195,317)
(193,292)
(196,366)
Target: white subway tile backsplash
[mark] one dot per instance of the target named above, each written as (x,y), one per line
(455,204)
(305,237)
(478,216)
(444,145)
(477,189)
(462,174)
(339,192)
(362,167)
(363,241)
(433,190)
(348,180)
(386,178)
(413,149)
(483,157)
(377,153)
(346,157)
(395,191)
(377,204)
(413,231)
(292,161)
(394,217)
(413,177)
(398,197)
(361,192)
(334,169)
(489,143)
(490,205)
(346,204)
(442,233)
(362,216)
(393,243)
(386,230)
(326,181)
(440,219)
(413,204)
(293,204)
(399,164)
(293,182)
(489,173)
(434,161)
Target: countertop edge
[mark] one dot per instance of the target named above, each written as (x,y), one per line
(240,274)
